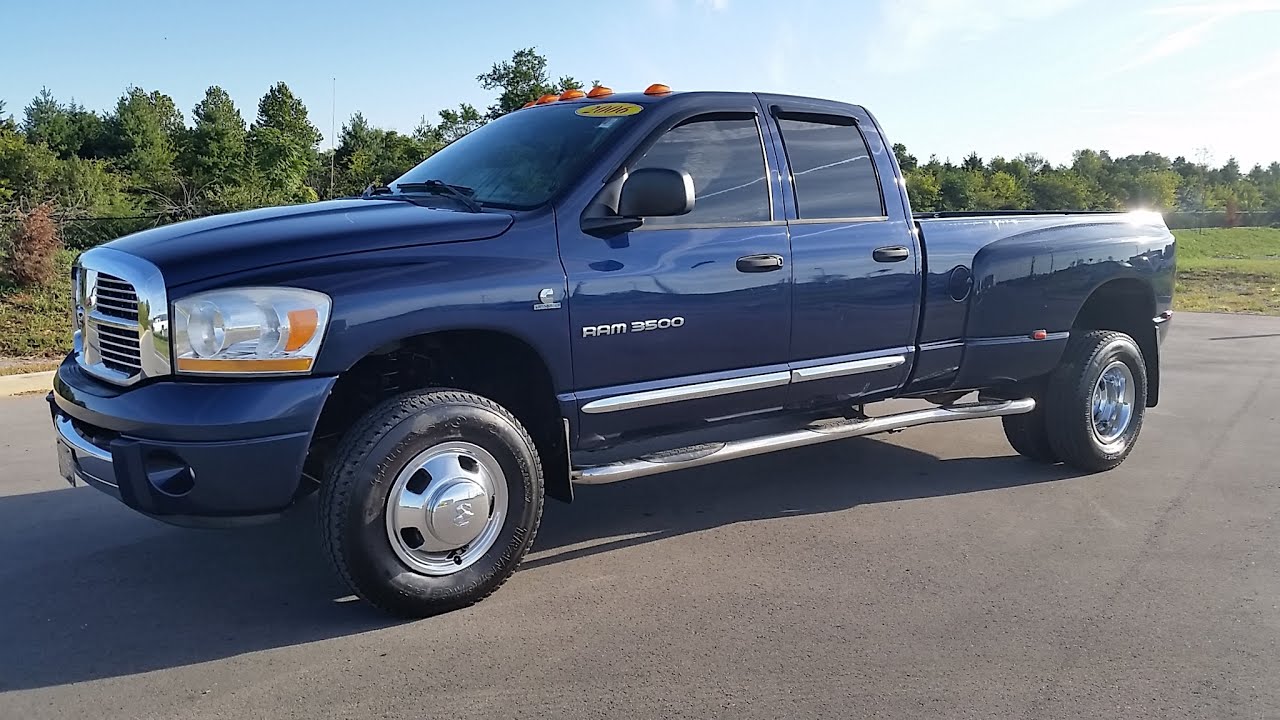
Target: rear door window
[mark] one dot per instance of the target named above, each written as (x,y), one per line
(831,167)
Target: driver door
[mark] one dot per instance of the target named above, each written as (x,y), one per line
(686,319)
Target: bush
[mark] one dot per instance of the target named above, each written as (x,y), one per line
(33,244)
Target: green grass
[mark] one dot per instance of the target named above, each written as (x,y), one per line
(35,323)
(1220,270)
(1233,270)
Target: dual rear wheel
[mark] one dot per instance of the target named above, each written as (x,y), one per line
(1091,411)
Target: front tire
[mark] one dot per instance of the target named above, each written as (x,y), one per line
(434,499)
(1095,401)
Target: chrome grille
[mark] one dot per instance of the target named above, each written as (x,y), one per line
(122,319)
(119,349)
(116,298)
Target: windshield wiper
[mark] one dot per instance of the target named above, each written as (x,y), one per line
(463,195)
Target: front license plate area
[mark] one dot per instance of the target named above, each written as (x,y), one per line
(67,463)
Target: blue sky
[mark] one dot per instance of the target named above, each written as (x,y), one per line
(1000,77)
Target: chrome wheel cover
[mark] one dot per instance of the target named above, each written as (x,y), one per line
(446,508)
(1113,402)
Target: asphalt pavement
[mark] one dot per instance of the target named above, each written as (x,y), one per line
(927,574)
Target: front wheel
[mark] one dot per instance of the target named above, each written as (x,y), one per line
(433,501)
(1095,401)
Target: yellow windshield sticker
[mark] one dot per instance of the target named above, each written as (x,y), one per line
(609,109)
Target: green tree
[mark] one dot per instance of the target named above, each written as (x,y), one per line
(367,154)
(1061,190)
(25,169)
(145,130)
(281,145)
(973,163)
(521,79)
(957,189)
(924,190)
(906,161)
(457,123)
(48,122)
(214,154)
(1000,191)
(1155,189)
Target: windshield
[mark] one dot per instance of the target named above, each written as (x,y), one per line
(521,160)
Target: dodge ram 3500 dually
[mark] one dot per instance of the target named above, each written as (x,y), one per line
(596,287)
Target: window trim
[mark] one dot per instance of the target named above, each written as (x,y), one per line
(823,118)
(652,139)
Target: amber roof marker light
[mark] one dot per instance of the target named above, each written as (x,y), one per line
(572,95)
(657,89)
(550,98)
(599,91)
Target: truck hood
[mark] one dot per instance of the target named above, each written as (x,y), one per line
(224,244)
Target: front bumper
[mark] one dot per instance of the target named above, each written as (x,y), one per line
(188,452)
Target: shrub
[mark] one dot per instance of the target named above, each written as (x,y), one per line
(32,246)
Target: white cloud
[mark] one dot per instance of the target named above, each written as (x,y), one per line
(1265,75)
(908,28)
(1176,42)
(667,8)
(1240,7)
(1192,36)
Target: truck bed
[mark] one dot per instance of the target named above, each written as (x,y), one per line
(994,277)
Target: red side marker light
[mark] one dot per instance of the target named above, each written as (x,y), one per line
(1039,335)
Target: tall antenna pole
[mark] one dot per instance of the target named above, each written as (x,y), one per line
(333,135)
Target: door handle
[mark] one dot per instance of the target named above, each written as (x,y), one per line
(759,263)
(891,253)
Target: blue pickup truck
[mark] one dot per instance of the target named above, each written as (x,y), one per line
(594,288)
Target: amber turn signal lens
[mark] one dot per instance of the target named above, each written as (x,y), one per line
(599,91)
(657,89)
(547,99)
(302,327)
(267,365)
(572,95)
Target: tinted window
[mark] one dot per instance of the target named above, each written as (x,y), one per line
(522,159)
(725,158)
(831,168)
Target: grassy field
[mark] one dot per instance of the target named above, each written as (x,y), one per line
(1221,270)
(1229,270)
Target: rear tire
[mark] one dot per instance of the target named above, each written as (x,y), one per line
(433,500)
(1095,401)
(1029,436)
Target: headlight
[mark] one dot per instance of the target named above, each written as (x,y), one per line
(249,330)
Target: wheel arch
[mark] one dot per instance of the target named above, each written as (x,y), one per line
(1126,305)
(492,363)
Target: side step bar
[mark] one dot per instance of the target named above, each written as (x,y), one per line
(696,456)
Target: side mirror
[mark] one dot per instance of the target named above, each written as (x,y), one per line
(647,192)
(656,192)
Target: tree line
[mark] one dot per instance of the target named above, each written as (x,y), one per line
(100,174)
(1094,180)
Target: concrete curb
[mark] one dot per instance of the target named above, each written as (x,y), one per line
(26,383)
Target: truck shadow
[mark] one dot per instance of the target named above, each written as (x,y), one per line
(807,481)
(90,590)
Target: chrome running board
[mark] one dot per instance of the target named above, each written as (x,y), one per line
(682,458)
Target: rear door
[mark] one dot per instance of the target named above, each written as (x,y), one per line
(686,319)
(855,261)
